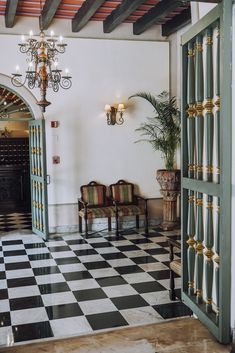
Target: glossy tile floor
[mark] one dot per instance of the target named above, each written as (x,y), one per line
(70,285)
(185,335)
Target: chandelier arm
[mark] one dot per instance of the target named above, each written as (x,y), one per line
(120,120)
(66,82)
(17,80)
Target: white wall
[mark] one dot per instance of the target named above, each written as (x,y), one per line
(104,72)
(233,186)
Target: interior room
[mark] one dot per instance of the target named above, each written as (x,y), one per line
(116,176)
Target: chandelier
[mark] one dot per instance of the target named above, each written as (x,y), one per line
(42,60)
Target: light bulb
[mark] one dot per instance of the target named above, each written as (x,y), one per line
(17,68)
(56,64)
(66,71)
(30,33)
(52,33)
(121,107)
(61,39)
(5,103)
(30,64)
(107,108)
(22,38)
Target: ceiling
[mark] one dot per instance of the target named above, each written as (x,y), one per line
(112,13)
(170,14)
(11,105)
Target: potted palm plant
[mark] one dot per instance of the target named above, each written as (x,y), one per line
(163,133)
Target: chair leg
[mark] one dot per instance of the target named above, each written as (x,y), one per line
(86,227)
(137,221)
(146,220)
(146,226)
(80,224)
(109,224)
(117,223)
(172,286)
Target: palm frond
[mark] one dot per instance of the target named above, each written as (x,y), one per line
(163,130)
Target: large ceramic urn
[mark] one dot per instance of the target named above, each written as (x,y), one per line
(169,181)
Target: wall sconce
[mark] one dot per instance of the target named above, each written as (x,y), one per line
(115,115)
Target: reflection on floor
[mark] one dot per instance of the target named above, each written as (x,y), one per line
(71,285)
(186,335)
(12,221)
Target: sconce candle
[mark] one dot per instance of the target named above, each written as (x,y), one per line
(121,107)
(107,108)
(114,115)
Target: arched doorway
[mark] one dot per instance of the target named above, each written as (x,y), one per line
(22,156)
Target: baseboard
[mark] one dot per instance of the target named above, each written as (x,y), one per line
(101,225)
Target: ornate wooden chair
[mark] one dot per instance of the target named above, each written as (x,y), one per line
(175,267)
(127,203)
(94,204)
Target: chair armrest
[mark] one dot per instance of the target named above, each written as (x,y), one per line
(80,200)
(113,201)
(82,203)
(141,198)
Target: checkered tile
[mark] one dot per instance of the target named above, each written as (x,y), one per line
(72,285)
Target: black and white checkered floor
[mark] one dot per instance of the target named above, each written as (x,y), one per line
(70,285)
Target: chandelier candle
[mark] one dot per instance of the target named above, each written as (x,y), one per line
(42,54)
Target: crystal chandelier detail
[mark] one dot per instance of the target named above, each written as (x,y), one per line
(42,62)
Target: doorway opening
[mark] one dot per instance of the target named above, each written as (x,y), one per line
(15,194)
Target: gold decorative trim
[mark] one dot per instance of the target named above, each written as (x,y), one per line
(217,259)
(190,52)
(209,253)
(191,111)
(217,103)
(209,169)
(199,168)
(209,205)
(209,40)
(209,105)
(191,199)
(191,167)
(199,47)
(199,247)
(199,108)
(218,170)
(190,284)
(199,292)
(209,301)
(199,202)
(191,242)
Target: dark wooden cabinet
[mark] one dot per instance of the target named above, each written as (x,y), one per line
(14,188)
(14,175)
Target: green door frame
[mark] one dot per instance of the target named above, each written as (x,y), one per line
(221,328)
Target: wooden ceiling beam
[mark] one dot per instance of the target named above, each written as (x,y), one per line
(86,11)
(123,11)
(210,1)
(10,13)
(158,12)
(48,12)
(176,23)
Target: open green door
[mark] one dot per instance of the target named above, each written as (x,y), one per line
(206,169)
(38,173)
